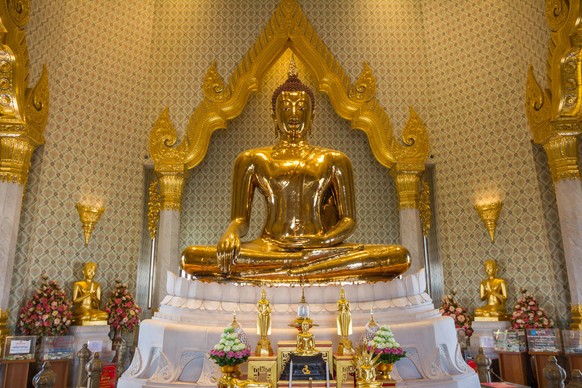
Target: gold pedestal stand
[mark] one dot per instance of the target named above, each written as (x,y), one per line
(263,366)
(344,370)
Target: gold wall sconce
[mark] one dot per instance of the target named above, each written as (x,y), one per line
(489,213)
(89,215)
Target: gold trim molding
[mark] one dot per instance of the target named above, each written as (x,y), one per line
(408,188)
(23,110)
(288,28)
(576,317)
(555,113)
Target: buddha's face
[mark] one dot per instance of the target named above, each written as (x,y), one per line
(89,271)
(490,268)
(293,114)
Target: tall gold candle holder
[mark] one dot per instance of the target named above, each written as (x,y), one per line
(4,331)
(89,215)
(489,213)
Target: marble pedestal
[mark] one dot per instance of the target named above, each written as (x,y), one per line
(173,345)
(483,336)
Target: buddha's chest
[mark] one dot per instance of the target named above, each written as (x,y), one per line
(299,176)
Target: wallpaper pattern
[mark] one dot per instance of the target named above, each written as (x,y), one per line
(98,62)
(113,68)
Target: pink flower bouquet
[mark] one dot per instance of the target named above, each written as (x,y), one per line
(461,316)
(124,312)
(47,313)
(527,314)
(230,350)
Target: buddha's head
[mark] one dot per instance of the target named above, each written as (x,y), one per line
(491,267)
(89,270)
(293,104)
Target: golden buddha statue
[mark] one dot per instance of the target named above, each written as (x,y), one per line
(86,299)
(305,341)
(309,193)
(344,325)
(264,326)
(494,290)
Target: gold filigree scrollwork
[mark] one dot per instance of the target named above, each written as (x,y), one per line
(154,206)
(163,139)
(364,89)
(562,154)
(19,11)
(414,149)
(556,13)
(213,86)
(538,109)
(570,79)
(424,205)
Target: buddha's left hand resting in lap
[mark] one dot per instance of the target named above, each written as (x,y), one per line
(309,193)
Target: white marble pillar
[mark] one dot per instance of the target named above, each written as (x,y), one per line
(411,237)
(167,253)
(10,207)
(569,200)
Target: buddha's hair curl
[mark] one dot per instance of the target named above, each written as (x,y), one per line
(293,84)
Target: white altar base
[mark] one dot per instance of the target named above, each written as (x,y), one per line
(172,346)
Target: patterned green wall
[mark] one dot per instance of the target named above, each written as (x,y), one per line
(115,66)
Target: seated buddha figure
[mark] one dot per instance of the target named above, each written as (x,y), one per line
(494,291)
(86,299)
(309,193)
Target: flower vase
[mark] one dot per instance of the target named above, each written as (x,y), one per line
(383,371)
(230,372)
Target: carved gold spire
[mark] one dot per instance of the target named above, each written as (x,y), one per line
(23,111)
(555,114)
(288,28)
(489,214)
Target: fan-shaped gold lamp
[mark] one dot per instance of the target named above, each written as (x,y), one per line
(89,215)
(489,213)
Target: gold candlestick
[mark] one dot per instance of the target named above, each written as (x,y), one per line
(89,216)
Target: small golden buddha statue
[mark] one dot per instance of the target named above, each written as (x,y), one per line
(305,341)
(86,299)
(344,325)
(494,291)
(264,326)
(365,362)
(309,192)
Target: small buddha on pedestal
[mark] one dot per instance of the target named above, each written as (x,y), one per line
(494,291)
(86,299)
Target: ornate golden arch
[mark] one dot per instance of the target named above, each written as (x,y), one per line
(288,28)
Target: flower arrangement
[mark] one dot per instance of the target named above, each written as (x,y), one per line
(230,350)
(527,314)
(386,346)
(47,313)
(451,308)
(123,311)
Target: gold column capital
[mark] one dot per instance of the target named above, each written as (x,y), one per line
(408,187)
(171,188)
(576,317)
(15,155)
(562,151)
